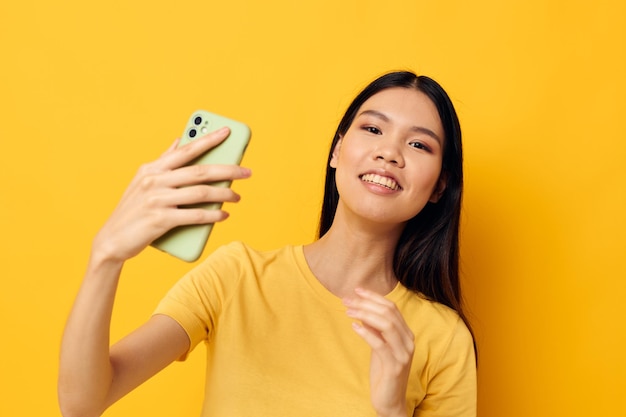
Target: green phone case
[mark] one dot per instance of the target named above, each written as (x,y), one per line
(188,242)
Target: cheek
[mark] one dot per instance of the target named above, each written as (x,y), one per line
(427,180)
(428,172)
(348,158)
(341,178)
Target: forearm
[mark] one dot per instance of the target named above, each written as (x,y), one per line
(85,372)
(89,378)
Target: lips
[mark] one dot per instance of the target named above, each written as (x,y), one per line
(383,181)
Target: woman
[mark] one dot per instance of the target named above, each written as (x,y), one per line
(366,320)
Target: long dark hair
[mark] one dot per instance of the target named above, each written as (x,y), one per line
(426,258)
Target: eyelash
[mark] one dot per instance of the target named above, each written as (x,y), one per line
(420,146)
(417,145)
(372,129)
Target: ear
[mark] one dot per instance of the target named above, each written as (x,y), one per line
(439,188)
(335,155)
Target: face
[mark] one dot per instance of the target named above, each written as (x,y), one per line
(388,163)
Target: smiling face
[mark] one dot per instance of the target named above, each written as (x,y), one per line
(388,163)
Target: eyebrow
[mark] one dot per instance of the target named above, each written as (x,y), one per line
(418,129)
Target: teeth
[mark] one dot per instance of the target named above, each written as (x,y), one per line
(380,180)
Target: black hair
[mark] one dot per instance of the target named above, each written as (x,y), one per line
(426,258)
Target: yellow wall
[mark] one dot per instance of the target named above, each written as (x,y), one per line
(88,91)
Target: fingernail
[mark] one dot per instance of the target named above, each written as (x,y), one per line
(347,301)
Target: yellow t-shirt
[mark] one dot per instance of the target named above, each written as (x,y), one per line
(280,344)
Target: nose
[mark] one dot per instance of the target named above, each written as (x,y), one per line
(389,151)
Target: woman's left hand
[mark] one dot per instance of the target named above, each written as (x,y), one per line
(392,342)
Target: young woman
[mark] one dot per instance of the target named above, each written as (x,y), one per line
(366,320)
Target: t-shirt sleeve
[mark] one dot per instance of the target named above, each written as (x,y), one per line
(452,388)
(197,299)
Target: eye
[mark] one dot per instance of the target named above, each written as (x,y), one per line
(372,129)
(420,145)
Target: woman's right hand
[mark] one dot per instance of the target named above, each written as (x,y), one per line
(150,205)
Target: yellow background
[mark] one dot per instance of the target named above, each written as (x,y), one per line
(90,90)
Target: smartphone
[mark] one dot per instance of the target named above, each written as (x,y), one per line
(188,242)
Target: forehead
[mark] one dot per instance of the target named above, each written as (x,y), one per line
(405,107)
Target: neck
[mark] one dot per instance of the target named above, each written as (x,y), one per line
(354,255)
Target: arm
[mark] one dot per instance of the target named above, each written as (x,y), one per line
(91,375)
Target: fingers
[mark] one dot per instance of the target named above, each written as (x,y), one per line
(164,194)
(197,194)
(172,169)
(191,185)
(383,328)
(191,216)
(382,325)
(204,174)
(176,157)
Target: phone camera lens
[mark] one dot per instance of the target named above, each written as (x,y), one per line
(197,120)
(192,133)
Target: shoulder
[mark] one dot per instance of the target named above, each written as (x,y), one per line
(217,279)
(444,356)
(437,326)
(239,259)
(240,252)
(418,307)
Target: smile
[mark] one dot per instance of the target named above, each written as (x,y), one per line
(382,181)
